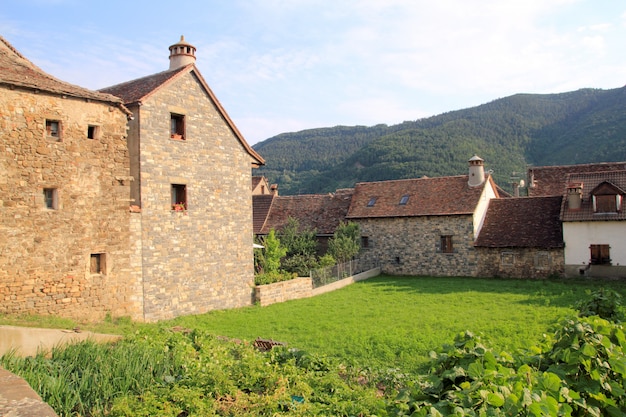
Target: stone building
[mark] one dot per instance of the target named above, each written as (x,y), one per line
(424,226)
(521,238)
(191,192)
(64,197)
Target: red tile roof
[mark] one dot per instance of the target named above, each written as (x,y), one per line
(522,222)
(551,180)
(427,197)
(261,205)
(322,212)
(136,91)
(17,71)
(590,181)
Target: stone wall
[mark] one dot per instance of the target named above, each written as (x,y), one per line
(411,245)
(200,259)
(279,292)
(46,253)
(520,262)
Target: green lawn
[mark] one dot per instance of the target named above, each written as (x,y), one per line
(395,321)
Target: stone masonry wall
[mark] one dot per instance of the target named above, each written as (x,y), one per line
(46,254)
(201,259)
(520,262)
(411,245)
(279,292)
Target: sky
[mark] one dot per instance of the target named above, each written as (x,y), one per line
(289,65)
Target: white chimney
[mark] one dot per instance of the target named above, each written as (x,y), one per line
(574,195)
(182,54)
(476,171)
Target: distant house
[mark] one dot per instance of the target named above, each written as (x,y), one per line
(191,191)
(320,212)
(424,226)
(594,224)
(260,186)
(552,180)
(64,197)
(521,238)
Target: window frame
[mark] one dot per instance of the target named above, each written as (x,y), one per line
(179,197)
(51,198)
(178,126)
(49,132)
(507,258)
(446,244)
(372,202)
(602,254)
(93,132)
(404,200)
(97,263)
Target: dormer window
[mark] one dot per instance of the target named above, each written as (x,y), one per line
(606,198)
(371,202)
(404,200)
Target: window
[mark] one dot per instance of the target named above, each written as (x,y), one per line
(404,200)
(600,255)
(177,126)
(93,132)
(179,197)
(97,264)
(542,260)
(365,242)
(50,198)
(607,203)
(371,202)
(507,258)
(446,244)
(53,129)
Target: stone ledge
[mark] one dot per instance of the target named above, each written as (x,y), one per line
(17,398)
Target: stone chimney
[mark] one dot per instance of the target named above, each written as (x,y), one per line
(182,54)
(574,195)
(274,189)
(476,171)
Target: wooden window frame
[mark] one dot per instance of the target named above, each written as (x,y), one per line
(179,201)
(97,264)
(446,244)
(177,126)
(600,254)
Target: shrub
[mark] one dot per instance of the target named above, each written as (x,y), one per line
(603,303)
(272,277)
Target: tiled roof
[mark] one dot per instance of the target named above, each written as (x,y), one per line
(522,222)
(322,212)
(590,181)
(551,180)
(17,71)
(261,204)
(427,197)
(255,181)
(133,92)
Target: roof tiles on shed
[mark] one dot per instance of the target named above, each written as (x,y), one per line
(522,222)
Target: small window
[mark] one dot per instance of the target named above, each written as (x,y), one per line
(404,200)
(542,260)
(179,197)
(50,198)
(53,129)
(371,202)
(177,126)
(365,242)
(507,258)
(446,244)
(93,132)
(97,264)
(600,254)
(606,203)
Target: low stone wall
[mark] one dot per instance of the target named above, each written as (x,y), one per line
(17,399)
(279,292)
(302,288)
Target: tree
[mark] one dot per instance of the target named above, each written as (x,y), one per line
(301,246)
(269,260)
(346,242)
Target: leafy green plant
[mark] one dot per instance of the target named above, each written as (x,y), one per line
(346,242)
(605,303)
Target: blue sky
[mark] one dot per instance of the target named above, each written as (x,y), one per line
(288,65)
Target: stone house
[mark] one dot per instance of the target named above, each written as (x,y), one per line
(320,212)
(424,226)
(594,224)
(64,197)
(521,238)
(191,192)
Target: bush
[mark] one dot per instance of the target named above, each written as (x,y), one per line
(603,303)
(272,277)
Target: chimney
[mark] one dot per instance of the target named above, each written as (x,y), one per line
(274,189)
(182,54)
(476,171)
(574,195)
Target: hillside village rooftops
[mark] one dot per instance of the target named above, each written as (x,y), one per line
(322,212)
(426,197)
(526,222)
(551,180)
(18,72)
(589,182)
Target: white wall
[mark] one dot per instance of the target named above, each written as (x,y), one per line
(579,235)
(481,208)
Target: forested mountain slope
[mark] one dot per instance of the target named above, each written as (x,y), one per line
(583,126)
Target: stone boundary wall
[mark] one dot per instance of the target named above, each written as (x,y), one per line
(17,398)
(297,288)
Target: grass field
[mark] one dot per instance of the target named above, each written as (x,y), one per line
(396,321)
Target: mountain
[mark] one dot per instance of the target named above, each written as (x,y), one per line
(511,133)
